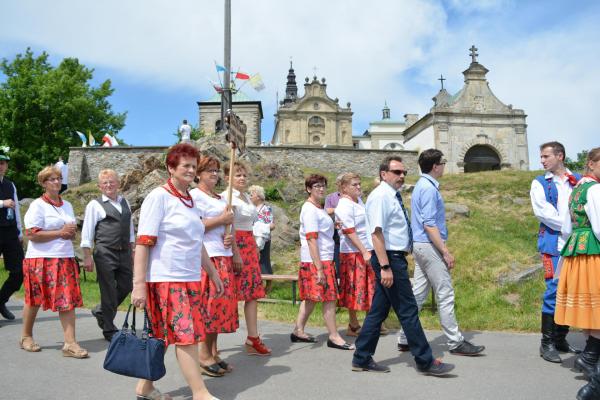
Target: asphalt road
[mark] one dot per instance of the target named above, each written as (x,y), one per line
(510,369)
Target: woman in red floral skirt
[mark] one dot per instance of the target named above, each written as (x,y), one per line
(220,313)
(357,278)
(316,277)
(249,285)
(167,274)
(51,275)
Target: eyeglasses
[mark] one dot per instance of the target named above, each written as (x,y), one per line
(318,186)
(212,171)
(399,171)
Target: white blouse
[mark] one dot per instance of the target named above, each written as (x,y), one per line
(316,220)
(244,212)
(213,238)
(178,231)
(353,217)
(47,217)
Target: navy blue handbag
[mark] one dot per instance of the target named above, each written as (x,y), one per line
(139,357)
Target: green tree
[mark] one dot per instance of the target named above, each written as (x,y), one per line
(579,164)
(42,106)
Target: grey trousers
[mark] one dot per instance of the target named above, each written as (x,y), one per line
(431,272)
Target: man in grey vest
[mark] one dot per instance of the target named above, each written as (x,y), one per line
(108,224)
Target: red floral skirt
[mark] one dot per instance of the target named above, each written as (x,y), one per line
(308,287)
(357,282)
(220,314)
(52,283)
(174,309)
(248,281)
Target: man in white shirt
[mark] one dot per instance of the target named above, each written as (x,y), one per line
(64,170)
(550,201)
(186,132)
(391,237)
(108,224)
(11,236)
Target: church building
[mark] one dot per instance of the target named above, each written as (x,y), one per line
(314,119)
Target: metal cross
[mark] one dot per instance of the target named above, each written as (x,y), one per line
(474,53)
(442,79)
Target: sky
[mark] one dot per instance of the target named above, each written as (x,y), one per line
(160,56)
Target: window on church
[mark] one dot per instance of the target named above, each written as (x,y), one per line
(316,121)
(316,139)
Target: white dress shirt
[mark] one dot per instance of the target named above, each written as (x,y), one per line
(544,211)
(17,210)
(94,213)
(592,209)
(384,211)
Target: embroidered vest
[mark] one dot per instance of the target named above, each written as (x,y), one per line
(548,237)
(582,239)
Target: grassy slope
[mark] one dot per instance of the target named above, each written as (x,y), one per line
(498,236)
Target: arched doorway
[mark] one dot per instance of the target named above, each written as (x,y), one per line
(481,158)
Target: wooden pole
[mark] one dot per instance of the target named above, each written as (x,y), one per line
(230,186)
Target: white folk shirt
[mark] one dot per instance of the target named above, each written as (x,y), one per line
(211,208)
(94,213)
(316,220)
(352,216)
(244,211)
(544,211)
(47,217)
(592,209)
(384,211)
(16,209)
(179,234)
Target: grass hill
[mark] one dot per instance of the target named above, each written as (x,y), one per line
(497,238)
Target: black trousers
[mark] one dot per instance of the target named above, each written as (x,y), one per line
(12,251)
(115,278)
(265,259)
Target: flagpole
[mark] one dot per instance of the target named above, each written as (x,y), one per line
(226,95)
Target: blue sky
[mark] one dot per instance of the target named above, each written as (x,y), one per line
(541,55)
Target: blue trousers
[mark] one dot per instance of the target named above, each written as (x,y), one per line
(549,299)
(400,297)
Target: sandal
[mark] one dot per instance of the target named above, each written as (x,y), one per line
(213,370)
(74,350)
(153,395)
(223,365)
(256,347)
(353,331)
(28,344)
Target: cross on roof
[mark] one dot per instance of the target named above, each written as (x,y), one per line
(474,53)
(442,79)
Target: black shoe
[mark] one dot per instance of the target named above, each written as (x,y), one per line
(467,349)
(372,366)
(403,347)
(586,361)
(99,320)
(345,346)
(109,335)
(211,370)
(308,339)
(591,391)
(5,312)
(437,368)
(560,340)
(547,350)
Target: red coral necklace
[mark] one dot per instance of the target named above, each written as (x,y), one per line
(186,199)
(48,200)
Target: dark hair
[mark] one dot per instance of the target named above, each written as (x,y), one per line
(385,164)
(237,165)
(593,155)
(205,162)
(557,148)
(313,180)
(429,158)
(185,121)
(181,150)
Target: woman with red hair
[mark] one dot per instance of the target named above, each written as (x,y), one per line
(220,313)
(167,274)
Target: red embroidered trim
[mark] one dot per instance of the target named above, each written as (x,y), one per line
(548,267)
(31,231)
(51,202)
(312,235)
(348,231)
(146,240)
(593,177)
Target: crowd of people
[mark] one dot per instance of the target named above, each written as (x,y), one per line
(196,255)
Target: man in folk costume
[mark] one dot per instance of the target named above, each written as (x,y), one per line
(549,198)
(11,236)
(108,224)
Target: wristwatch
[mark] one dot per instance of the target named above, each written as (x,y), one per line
(385,267)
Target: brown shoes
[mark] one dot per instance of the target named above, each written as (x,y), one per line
(74,350)
(28,344)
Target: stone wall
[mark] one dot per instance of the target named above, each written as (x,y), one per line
(86,162)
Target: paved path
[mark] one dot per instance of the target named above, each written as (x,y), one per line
(511,369)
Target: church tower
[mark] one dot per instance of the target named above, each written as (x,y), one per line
(291,90)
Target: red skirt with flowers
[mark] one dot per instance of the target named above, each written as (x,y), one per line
(174,311)
(248,281)
(220,314)
(357,282)
(308,287)
(52,283)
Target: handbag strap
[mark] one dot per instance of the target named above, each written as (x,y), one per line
(147,325)
(126,322)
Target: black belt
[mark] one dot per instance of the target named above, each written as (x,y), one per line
(397,252)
